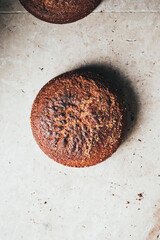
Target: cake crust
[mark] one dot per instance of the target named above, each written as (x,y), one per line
(76,120)
(60,11)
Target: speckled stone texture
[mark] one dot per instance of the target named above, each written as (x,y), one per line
(41,199)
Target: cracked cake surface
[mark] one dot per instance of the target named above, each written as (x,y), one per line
(76,120)
(60,11)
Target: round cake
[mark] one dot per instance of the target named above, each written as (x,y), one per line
(77,120)
(60,11)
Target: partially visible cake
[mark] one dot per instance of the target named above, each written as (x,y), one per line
(60,11)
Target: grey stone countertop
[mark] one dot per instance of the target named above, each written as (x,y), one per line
(117,199)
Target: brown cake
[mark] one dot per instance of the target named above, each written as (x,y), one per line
(76,120)
(60,11)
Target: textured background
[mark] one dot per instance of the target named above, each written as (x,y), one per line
(41,200)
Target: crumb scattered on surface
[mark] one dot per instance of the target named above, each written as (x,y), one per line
(140,195)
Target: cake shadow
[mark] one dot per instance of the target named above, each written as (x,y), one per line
(123,87)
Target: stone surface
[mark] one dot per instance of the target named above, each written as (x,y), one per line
(41,199)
